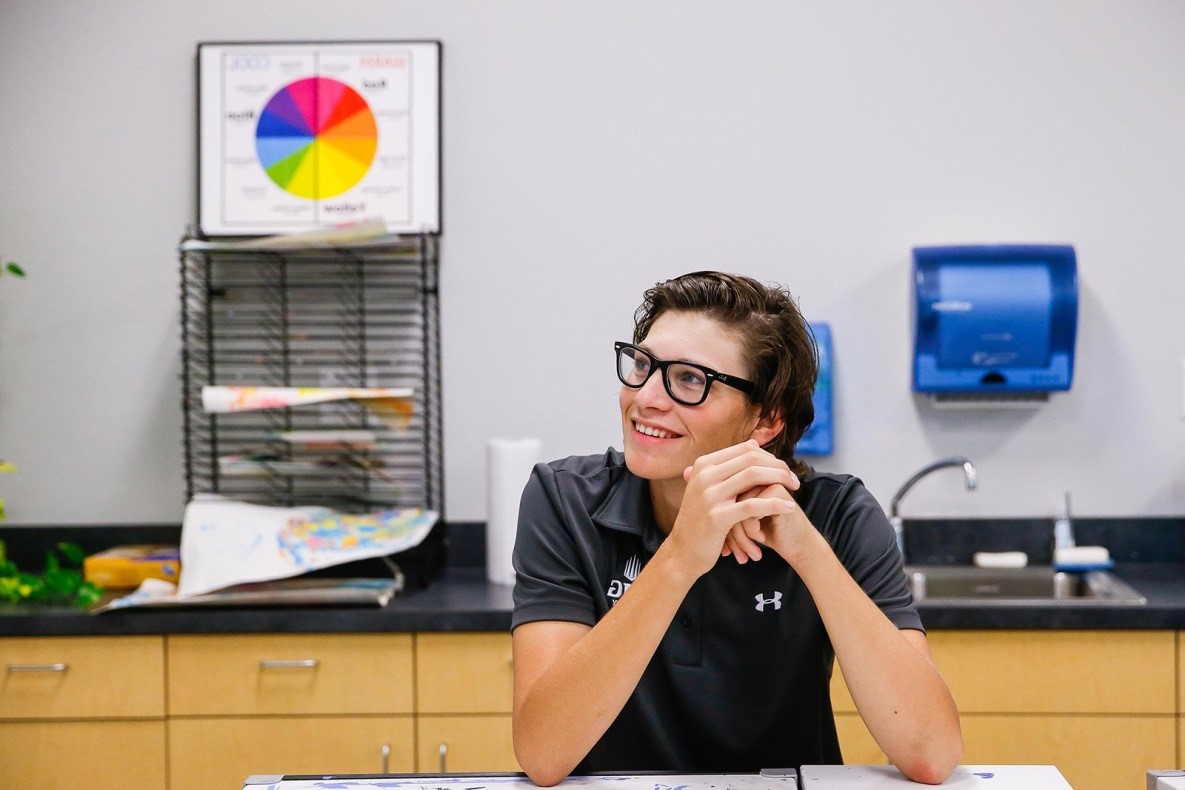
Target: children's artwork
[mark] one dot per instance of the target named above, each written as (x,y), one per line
(294,136)
(819,438)
(393,406)
(225,542)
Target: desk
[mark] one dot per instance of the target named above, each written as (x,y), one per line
(809,777)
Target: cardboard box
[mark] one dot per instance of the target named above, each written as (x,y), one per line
(125,567)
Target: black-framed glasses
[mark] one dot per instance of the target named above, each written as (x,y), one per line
(685,382)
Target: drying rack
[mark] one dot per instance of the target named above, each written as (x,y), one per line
(364,315)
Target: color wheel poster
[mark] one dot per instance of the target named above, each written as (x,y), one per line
(294,137)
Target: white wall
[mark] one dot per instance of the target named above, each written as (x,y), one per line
(592,148)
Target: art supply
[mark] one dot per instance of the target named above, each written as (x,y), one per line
(125,567)
(508,467)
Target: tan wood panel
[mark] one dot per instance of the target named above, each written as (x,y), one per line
(1181,678)
(101,677)
(66,755)
(841,698)
(221,752)
(856,742)
(473,743)
(353,673)
(464,673)
(1058,671)
(1092,752)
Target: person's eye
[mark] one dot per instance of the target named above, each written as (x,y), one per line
(691,378)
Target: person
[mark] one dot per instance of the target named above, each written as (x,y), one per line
(679,605)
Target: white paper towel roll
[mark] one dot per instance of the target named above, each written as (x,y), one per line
(508,467)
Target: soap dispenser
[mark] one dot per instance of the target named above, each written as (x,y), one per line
(1067,554)
(1063,528)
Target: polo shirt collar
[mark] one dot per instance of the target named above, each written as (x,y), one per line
(628,509)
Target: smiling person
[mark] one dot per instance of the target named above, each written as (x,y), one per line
(678,606)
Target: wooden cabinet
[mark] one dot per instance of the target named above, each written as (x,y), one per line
(464,697)
(222,751)
(89,707)
(256,674)
(1100,705)
(288,703)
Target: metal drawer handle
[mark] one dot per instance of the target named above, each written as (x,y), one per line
(59,667)
(443,751)
(385,755)
(299,663)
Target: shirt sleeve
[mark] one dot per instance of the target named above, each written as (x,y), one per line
(863,540)
(551,577)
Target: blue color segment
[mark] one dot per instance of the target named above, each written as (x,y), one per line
(275,149)
(819,437)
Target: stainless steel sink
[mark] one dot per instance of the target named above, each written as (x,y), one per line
(1039,585)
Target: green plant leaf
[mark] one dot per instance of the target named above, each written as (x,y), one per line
(14,269)
(72,552)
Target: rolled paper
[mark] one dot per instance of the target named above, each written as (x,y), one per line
(509,464)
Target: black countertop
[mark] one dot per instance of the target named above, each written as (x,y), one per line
(1150,554)
(462,600)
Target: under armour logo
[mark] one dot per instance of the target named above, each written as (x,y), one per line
(762,601)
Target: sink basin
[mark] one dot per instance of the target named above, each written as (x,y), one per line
(967,584)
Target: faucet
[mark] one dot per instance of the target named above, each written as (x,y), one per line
(969,474)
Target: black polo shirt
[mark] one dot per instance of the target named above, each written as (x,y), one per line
(741,679)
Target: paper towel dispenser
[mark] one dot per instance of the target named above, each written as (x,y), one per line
(994,322)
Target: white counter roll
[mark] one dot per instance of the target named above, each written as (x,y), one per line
(508,467)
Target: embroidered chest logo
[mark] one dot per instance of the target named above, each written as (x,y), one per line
(763,602)
(617,588)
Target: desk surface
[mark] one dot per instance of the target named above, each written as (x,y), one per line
(809,777)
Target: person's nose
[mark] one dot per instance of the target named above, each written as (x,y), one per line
(652,394)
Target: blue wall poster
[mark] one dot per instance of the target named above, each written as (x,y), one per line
(819,439)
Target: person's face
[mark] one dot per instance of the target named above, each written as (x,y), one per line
(663,437)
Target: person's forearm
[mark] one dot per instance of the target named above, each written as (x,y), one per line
(570,706)
(899,693)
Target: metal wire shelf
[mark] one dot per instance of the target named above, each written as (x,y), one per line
(350,316)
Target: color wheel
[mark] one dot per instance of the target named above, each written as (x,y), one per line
(316,138)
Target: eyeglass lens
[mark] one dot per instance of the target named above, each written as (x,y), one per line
(685,383)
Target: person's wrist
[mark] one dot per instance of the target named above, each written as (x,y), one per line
(674,569)
(803,545)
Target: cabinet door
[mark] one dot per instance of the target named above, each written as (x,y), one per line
(81,677)
(1058,671)
(65,755)
(290,674)
(1092,752)
(855,741)
(221,753)
(465,744)
(464,673)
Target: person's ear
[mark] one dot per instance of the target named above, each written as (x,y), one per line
(767,428)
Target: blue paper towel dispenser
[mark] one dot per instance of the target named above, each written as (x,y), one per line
(994,321)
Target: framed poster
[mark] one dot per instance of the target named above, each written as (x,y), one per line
(297,136)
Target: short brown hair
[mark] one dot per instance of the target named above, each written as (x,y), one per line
(776,340)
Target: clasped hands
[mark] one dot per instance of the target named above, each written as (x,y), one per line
(737,500)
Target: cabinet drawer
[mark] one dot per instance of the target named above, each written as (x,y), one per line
(81,677)
(221,753)
(1092,752)
(464,673)
(62,755)
(465,744)
(290,673)
(1058,671)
